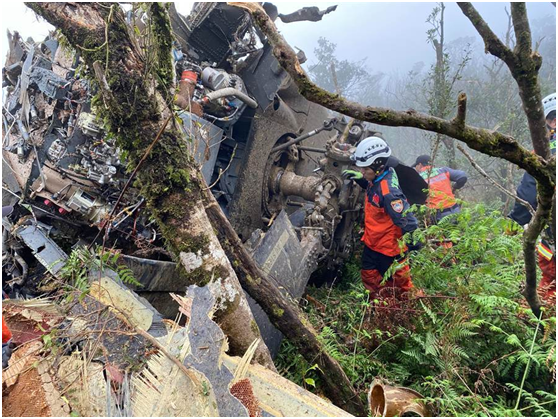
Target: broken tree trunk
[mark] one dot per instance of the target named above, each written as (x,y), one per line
(524,65)
(284,314)
(135,103)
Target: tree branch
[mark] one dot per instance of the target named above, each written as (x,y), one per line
(523,65)
(522,30)
(461,109)
(492,181)
(285,315)
(492,43)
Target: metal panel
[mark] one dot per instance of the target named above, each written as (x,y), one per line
(203,134)
(45,249)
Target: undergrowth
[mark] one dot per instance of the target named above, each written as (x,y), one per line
(82,262)
(470,346)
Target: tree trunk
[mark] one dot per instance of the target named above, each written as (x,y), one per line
(134,104)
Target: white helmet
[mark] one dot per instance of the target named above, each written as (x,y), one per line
(370,150)
(549,104)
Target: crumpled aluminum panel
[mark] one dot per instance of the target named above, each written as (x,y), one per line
(52,257)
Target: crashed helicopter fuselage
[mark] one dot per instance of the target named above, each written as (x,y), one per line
(290,204)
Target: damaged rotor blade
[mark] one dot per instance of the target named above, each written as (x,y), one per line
(311,14)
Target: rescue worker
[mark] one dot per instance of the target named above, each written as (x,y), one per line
(440,189)
(386,218)
(527,191)
(7,345)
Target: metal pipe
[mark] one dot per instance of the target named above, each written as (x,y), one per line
(303,186)
(231,91)
(297,140)
(312,149)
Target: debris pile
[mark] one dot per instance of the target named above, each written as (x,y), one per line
(99,357)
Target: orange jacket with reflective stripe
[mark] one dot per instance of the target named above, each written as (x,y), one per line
(384,218)
(440,194)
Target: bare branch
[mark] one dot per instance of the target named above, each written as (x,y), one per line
(461,109)
(493,182)
(523,65)
(522,30)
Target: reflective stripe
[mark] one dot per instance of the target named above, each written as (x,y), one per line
(385,187)
(544,251)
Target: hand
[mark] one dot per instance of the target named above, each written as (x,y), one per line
(352,175)
(414,247)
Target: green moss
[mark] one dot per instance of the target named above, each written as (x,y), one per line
(278,311)
(162,34)
(254,327)
(199,276)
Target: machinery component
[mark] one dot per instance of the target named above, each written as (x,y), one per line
(230,91)
(185,95)
(57,150)
(86,122)
(48,82)
(93,208)
(390,401)
(220,79)
(328,126)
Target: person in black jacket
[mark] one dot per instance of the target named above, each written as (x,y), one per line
(527,190)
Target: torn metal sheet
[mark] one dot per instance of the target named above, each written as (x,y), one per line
(207,345)
(280,255)
(35,236)
(127,305)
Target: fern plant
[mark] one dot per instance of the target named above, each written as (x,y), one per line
(82,261)
(471,345)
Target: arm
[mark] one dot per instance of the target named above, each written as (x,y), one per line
(459,177)
(363,183)
(396,206)
(527,190)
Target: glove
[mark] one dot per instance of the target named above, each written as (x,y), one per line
(414,247)
(352,175)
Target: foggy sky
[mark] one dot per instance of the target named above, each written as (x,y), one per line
(392,35)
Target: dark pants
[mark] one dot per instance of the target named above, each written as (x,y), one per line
(455,209)
(375,265)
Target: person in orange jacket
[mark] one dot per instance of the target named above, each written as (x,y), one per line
(6,344)
(386,218)
(440,188)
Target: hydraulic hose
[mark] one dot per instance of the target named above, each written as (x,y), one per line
(231,91)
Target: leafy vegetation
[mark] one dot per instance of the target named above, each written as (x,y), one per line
(470,345)
(82,262)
